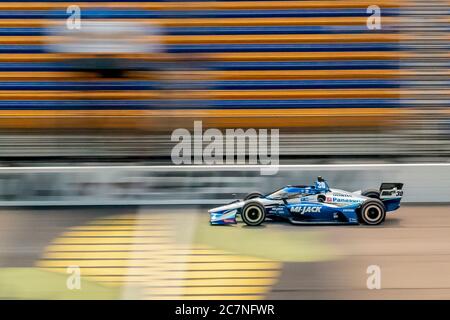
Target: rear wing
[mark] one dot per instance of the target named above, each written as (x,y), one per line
(391,190)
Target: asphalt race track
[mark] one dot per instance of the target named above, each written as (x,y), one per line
(156,253)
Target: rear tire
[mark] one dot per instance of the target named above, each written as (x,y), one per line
(372,212)
(371,193)
(253,214)
(253,195)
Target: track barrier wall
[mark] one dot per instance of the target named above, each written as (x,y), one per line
(205,185)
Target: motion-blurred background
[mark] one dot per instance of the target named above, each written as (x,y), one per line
(79,95)
(135,71)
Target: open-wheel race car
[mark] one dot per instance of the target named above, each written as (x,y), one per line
(313,204)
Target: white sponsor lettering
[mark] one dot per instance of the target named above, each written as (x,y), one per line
(303,210)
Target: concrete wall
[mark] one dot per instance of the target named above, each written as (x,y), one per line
(138,185)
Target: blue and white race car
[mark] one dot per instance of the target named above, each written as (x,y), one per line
(315,204)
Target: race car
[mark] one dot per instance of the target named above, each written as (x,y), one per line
(313,204)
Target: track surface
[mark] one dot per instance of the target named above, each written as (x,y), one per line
(412,250)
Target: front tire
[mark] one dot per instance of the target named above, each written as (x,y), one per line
(373,212)
(253,195)
(253,214)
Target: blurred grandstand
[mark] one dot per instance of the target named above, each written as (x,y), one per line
(336,89)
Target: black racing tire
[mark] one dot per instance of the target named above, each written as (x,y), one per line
(372,212)
(253,214)
(371,193)
(253,195)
